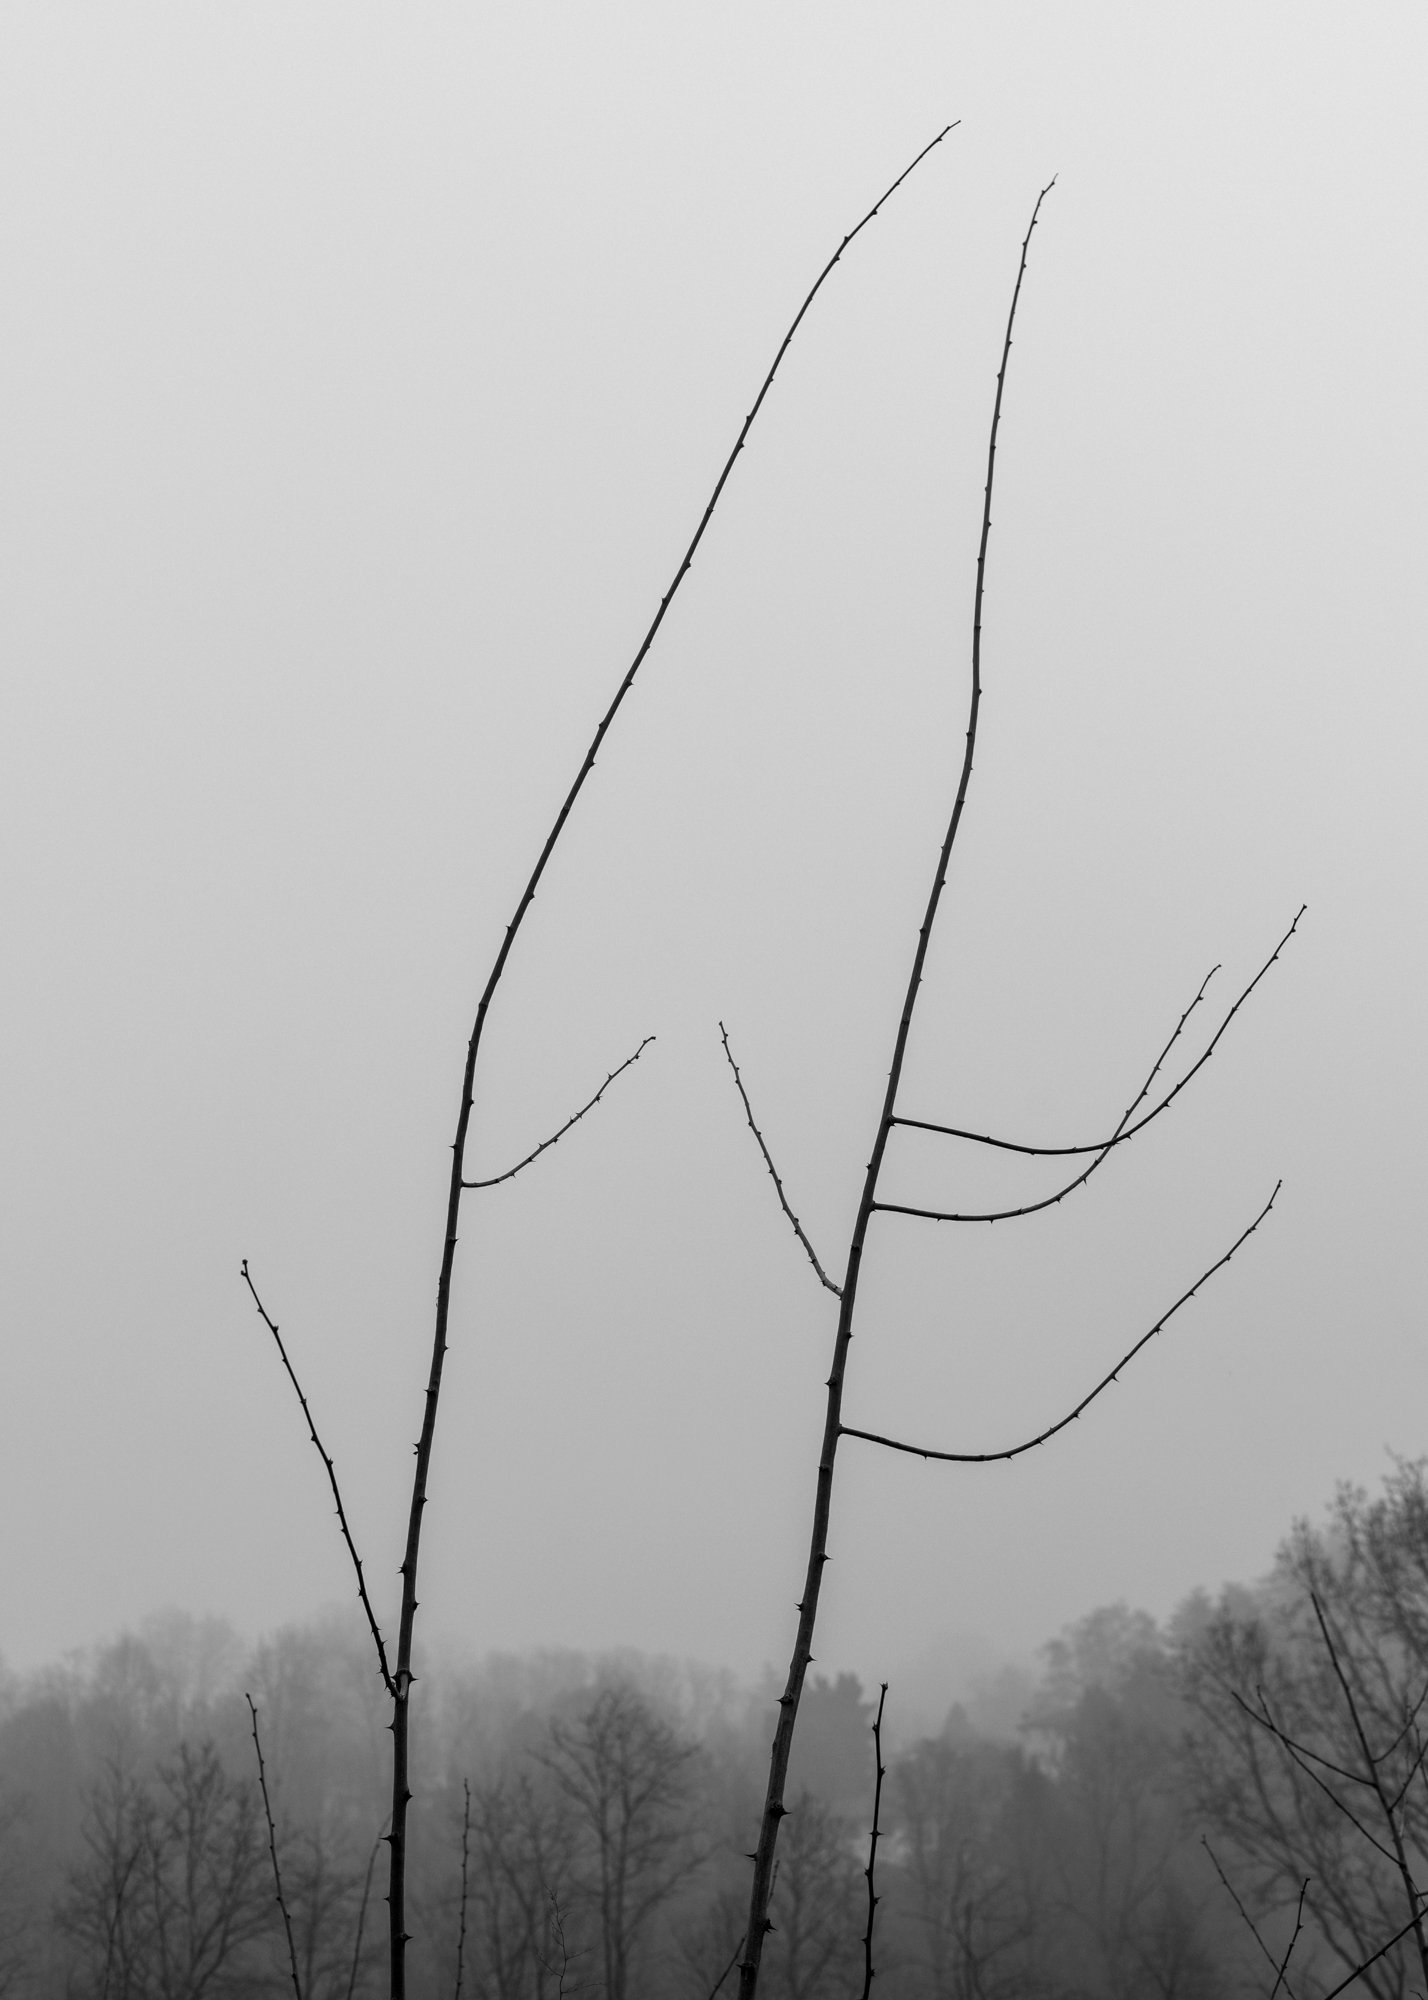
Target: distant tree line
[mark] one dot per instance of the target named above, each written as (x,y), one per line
(1234,1803)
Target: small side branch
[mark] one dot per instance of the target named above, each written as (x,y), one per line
(271,1324)
(871,1868)
(273,1850)
(1030,1444)
(798,1229)
(1122,1134)
(555,1137)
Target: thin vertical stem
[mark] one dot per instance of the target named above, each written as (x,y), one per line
(465,1864)
(273,1850)
(871,1869)
(774,1808)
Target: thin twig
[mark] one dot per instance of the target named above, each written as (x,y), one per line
(273,1849)
(1030,1444)
(718,1983)
(388,1683)
(1120,1137)
(511,1172)
(1279,1979)
(871,1868)
(1249,1920)
(798,1229)
(362,1911)
(465,1861)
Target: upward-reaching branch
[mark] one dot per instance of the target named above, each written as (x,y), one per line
(774,1811)
(402,1675)
(271,1324)
(273,1850)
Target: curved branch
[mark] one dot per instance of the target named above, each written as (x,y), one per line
(798,1229)
(1030,1444)
(271,1324)
(511,1172)
(1119,1137)
(1050,1201)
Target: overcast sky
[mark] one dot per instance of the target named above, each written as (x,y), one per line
(365,371)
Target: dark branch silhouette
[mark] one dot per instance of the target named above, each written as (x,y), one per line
(871,1869)
(1278,1969)
(1030,1444)
(1279,1978)
(798,1229)
(555,1137)
(466,1860)
(761,1887)
(1120,1137)
(402,1679)
(273,1850)
(1049,1201)
(271,1324)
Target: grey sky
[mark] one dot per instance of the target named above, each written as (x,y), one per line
(365,371)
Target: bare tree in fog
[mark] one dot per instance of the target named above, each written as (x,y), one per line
(173,1901)
(1310,1761)
(395,1668)
(1135,1119)
(626,1776)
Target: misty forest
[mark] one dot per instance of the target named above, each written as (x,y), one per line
(729,992)
(1139,1819)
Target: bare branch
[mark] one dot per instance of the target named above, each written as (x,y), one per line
(1279,1979)
(1030,1444)
(1299,1758)
(1049,1201)
(1119,1137)
(718,1983)
(465,1867)
(511,1172)
(375,1629)
(873,1899)
(362,1911)
(1249,1920)
(400,1686)
(798,1229)
(273,1849)
(1359,1970)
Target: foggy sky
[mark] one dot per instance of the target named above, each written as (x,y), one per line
(365,373)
